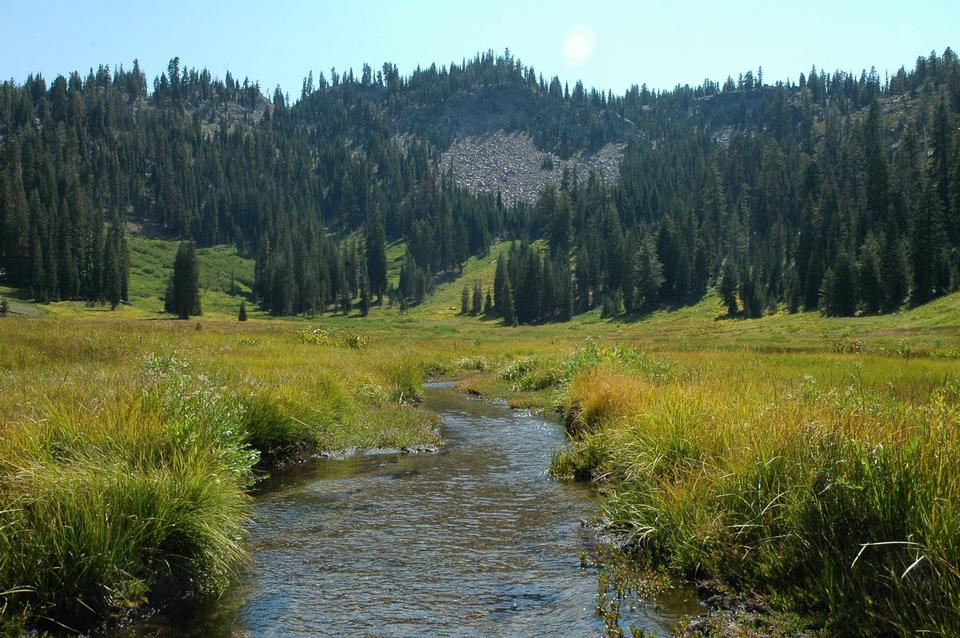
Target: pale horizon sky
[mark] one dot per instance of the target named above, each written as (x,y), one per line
(608,45)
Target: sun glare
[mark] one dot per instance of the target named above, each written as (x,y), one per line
(578,45)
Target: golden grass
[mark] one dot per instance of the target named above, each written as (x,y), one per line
(770,452)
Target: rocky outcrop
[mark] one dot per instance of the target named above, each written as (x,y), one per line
(510,163)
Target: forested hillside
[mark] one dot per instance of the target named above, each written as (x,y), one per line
(833,191)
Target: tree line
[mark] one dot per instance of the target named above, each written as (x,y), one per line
(831,193)
(837,192)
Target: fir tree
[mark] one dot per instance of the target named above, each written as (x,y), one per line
(839,289)
(928,248)
(476,306)
(377,256)
(364,298)
(242,315)
(728,286)
(648,274)
(184,289)
(500,286)
(870,267)
(751,294)
(508,311)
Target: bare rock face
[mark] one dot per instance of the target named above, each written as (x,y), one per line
(510,163)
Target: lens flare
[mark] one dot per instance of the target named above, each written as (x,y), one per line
(578,45)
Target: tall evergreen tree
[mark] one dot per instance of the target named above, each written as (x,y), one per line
(928,248)
(184,288)
(870,267)
(500,286)
(476,306)
(377,256)
(838,295)
(728,286)
(648,274)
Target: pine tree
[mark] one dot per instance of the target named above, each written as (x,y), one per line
(4,306)
(954,220)
(893,268)
(567,307)
(839,288)
(377,256)
(870,269)
(558,209)
(465,301)
(506,309)
(530,291)
(242,315)
(500,287)
(792,294)
(476,306)
(942,143)
(649,273)
(751,294)
(184,291)
(111,276)
(488,304)
(876,164)
(364,298)
(928,247)
(727,286)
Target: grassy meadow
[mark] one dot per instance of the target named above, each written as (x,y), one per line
(811,461)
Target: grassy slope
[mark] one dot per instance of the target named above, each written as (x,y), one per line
(698,327)
(151,264)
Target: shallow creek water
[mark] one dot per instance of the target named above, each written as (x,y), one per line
(473,541)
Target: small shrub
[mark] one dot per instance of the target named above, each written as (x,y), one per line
(314,336)
(847,345)
(475,364)
(355,341)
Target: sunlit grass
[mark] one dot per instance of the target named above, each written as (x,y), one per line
(810,458)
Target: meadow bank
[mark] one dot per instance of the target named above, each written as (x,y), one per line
(127,450)
(803,459)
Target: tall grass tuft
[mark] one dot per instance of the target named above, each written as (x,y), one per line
(107,505)
(841,501)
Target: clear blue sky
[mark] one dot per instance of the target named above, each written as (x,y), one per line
(658,42)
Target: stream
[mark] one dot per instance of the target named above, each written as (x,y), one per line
(473,541)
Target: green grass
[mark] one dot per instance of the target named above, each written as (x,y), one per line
(127,448)
(836,494)
(808,459)
(151,263)
(444,303)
